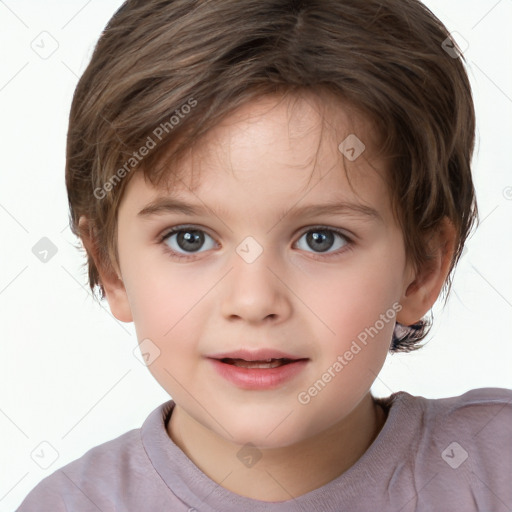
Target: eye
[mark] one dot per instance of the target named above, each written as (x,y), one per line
(186,239)
(183,242)
(322,239)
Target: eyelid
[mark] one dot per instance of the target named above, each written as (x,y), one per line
(343,232)
(181,227)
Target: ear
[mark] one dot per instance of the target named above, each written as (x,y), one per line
(110,277)
(420,294)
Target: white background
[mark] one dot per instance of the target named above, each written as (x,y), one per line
(68,376)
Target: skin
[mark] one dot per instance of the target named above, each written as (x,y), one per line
(253,167)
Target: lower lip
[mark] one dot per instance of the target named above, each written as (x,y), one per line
(259,378)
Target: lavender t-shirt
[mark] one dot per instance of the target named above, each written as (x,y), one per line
(449,454)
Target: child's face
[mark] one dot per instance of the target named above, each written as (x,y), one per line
(311,298)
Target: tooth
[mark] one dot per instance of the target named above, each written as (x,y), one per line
(273,363)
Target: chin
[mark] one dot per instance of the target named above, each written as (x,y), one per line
(274,433)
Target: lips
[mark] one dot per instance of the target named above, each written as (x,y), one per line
(258,375)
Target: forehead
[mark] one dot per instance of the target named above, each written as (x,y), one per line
(278,147)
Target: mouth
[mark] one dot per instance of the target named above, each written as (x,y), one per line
(256,358)
(258,370)
(267,363)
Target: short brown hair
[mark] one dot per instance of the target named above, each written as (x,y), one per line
(387,59)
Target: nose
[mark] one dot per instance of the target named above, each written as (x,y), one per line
(256,291)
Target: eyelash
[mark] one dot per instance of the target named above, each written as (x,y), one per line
(179,256)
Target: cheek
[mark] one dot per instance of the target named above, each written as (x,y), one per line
(162,297)
(169,311)
(358,307)
(360,317)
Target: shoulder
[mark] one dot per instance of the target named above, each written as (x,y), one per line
(481,396)
(478,408)
(478,416)
(470,406)
(115,475)
(477,422)
(455,452)
(100,470)
(463,447)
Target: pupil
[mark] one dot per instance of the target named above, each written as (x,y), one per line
(190,240)
(315,240)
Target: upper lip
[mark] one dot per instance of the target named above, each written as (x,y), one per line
(261,354)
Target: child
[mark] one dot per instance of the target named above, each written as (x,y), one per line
(317,154)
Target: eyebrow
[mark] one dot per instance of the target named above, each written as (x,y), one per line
(164,205)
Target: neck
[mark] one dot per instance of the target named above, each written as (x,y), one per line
(279,474)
